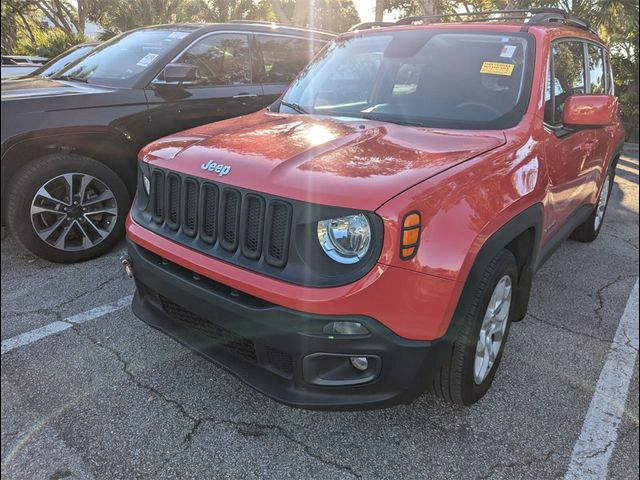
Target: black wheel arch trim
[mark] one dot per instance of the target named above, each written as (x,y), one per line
(529,219)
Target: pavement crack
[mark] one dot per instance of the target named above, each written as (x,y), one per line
(567,329)
(523,464)
(54,309)
(255,429)
(138,383)
(628,241)
(600,295)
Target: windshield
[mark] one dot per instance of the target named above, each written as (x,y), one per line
(122,60)
(63,60)
(429,78)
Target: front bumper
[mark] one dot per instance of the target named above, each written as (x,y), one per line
(273,348)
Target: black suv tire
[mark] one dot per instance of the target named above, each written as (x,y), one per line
(83,197)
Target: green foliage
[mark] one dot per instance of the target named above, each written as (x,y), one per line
(48,43)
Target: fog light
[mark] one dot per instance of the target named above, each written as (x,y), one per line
(345,328)
(359,363)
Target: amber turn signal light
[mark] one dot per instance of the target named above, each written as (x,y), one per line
(410,235)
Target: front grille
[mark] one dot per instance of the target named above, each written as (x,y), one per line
(276,360)
(221,216)
(224,338)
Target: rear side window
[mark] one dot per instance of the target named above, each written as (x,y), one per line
(568,70)
(285,57)
(221,59)
(597,80)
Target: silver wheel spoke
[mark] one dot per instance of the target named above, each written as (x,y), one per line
(103,197)
(103,233)
(46,233)
(87,238)
(492,330)
(44,194)
(68,178)
(108,211)
(84,183)
(36,209)
(60,242)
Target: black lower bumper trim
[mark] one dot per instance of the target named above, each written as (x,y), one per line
(265,344)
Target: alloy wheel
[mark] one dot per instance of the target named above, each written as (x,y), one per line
(494,326)
(74,212)
(602,204)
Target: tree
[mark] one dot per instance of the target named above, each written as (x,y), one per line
(65,15)
(293,13)
(379,10)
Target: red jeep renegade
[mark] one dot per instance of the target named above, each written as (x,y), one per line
(374,232)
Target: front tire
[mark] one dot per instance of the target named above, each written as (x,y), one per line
(589,230)
(473,356)
(67,208)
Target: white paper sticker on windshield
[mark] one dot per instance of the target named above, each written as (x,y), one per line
(178,35)
(147,59)
(508,51)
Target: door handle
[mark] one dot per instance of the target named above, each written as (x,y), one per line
(241,96)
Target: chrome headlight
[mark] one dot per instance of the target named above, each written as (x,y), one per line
(345,239)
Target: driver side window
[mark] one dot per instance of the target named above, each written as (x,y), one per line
(221,60)
(567,69)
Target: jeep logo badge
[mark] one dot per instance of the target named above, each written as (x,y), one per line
(218,168)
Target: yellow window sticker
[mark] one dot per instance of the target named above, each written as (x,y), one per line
(496,68)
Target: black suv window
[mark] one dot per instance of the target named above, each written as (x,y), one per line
(284,57)
(221,59)
(597,79)
(568,70)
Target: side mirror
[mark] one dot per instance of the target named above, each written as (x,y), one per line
(584,111)
(180,73)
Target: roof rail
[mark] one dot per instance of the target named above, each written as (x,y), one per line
(529,16)
(276,24)
(369,25)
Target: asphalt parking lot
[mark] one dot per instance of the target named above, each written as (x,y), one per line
(106,396)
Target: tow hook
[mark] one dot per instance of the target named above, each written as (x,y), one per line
(126,266)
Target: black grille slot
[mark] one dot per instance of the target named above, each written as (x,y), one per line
(252,226)
(190,207)
(157,196)
(172,201)
(225,339)
(230,219)
(277,235)
(209,213)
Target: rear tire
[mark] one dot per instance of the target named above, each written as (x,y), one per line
(588,231)
(67,208)
(462,377)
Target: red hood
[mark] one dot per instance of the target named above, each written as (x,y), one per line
(326,160)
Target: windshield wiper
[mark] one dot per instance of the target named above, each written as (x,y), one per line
(392,120)
(293,106)
(69,78)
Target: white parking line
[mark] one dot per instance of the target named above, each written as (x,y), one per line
(59,326)
(592,451)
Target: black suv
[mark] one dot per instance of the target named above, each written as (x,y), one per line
(69,142)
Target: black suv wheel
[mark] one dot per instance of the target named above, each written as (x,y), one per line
(67,208)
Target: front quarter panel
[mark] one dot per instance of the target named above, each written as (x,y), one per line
(462,207)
